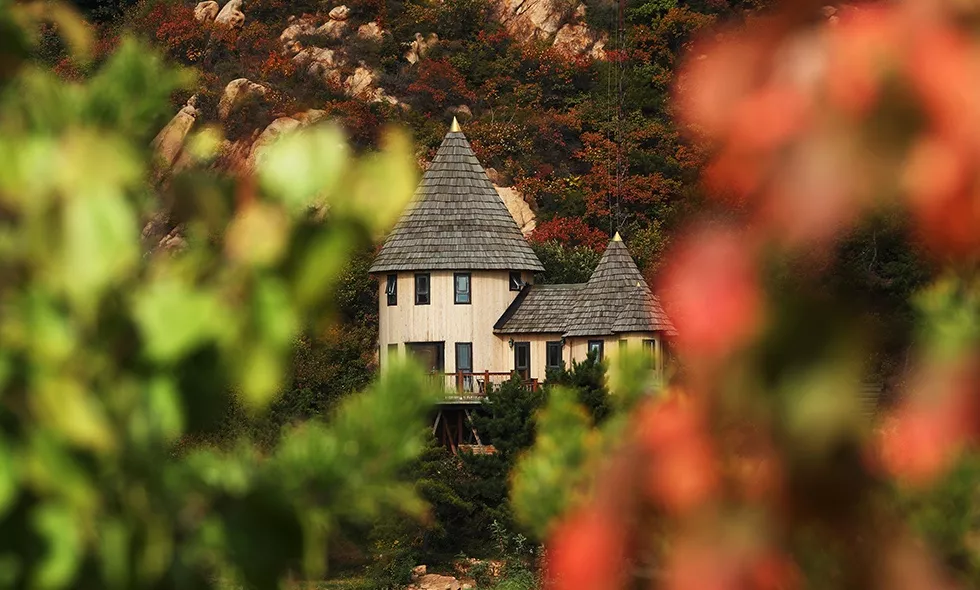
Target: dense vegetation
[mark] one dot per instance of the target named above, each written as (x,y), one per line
(591,144)
(184,416)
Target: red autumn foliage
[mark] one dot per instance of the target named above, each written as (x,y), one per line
(174,26)
(441,84)
(570,232)
(362,126)
(795,172)
(922,437)
(277,66)
(711,291)
(586,554)
(681,468)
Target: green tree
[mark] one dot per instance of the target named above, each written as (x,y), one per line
(565,265)
(588,380)
(114,361)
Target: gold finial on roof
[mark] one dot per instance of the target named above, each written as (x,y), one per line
(455,126)
(616,238)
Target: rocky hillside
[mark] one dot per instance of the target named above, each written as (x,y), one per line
(569,115)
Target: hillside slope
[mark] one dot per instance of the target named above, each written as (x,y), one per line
(573,120)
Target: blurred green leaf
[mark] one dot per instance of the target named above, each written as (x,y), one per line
(551,477)
(173,319)
(63,538)
(302,168)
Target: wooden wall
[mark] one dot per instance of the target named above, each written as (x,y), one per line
(444,321)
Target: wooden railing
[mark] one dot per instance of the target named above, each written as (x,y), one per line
(467,384)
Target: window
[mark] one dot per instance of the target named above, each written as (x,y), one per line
(422,288)
(622,346)
(522,359)
(391,289)
(515,281)
(392,351)
(553,355)
(461,280)
(650,347)
(464,364)
(595,347)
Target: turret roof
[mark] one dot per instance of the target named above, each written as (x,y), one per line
(616,299)
(456,221)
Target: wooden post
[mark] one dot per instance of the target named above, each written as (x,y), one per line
(459,381)
(486,382)
(447,432)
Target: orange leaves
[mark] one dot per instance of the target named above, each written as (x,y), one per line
(441,83)
(711,292)
(795,119)
(586,552)
(727,562)
(861,47)
(570,232)
(926,433)
(681,470)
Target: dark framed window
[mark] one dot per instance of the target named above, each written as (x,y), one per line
(596,346)
(391,289)
(422,295)
(650,347)
(464,357)
(462,287)
(392,351)
(522,359)
(552,355)
(515,281)
(622,346)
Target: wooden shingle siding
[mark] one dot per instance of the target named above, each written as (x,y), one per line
(457,221)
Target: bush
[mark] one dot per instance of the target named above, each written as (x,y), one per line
(588,379)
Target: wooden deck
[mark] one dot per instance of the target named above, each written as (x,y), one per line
(464,387)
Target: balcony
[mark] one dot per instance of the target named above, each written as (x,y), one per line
(468,387)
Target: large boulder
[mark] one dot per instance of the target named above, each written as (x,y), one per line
(231,15)
(169,143)
(339,13)
(438,582)
(268,137)
(533,19)
(518,208)
(321,64)
(333,29)
(361,82)
(273,131)
(577,39)
(298,27)
(206,12)
(236,93)
(418,48)
(370,31)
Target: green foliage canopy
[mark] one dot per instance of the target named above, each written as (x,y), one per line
(111,356)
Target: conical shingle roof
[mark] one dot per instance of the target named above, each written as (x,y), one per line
(457,221)
(617,299)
